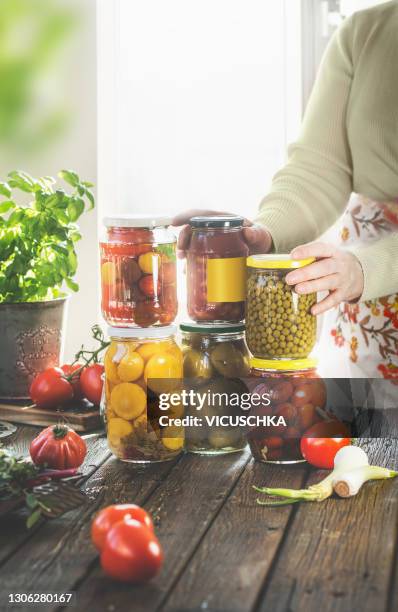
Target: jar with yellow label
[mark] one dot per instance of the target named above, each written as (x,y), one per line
(279,323)
(216,269)
(142,368)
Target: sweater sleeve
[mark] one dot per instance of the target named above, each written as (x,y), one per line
(379,265)
(311,191)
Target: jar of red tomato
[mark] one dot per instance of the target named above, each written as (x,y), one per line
(298,394)
(216,269)
(138,271)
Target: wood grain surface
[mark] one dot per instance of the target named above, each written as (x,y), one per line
(223,552)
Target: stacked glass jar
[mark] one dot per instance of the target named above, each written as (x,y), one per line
(215,354)
(281,334)
(139,301)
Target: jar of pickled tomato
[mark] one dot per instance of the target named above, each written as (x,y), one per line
(216,273)
(141,365)
(298,394)
(216,362)
(138,271)
(279,322)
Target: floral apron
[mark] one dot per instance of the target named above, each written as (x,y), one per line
(364,335)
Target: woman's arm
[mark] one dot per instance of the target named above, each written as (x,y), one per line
(312,190)
(356,273)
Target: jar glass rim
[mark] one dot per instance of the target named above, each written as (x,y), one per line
(129,333)
(213,328)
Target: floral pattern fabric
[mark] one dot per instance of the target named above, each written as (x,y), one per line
(367,331)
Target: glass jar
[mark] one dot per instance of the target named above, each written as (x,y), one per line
(138,272)
(279,323)
(215,359)
(140,365)
(298,394)
(216,272)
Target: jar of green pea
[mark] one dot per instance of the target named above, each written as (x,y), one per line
(279,323)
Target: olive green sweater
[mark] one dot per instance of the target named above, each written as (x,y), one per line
(348,143)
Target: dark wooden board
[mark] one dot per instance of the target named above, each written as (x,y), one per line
(13,532)
(338,554)
(60,552)
(184,507)
(80,418)
(223,552)
(228,569)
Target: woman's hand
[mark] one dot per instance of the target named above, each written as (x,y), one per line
(257,237)
(337,271)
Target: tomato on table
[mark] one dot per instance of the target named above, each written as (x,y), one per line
(109,516)
(321,442)
(50,388)
(58,447)
(91,382)
(131,552)
(74,379)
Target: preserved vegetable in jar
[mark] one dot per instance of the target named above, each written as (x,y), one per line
(279,323)
(141,364)
(298,394)
(215,359)
(216,269)
(138,272)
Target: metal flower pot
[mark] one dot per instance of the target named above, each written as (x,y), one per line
(31,339)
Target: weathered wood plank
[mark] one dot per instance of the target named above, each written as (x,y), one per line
(338,554)
(59,554)
(13,532)
(228,569)
(184,507)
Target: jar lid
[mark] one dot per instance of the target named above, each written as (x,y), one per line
(213,328)
(129,333)
(277,262)
(137,221)
(217,221)
(286,365)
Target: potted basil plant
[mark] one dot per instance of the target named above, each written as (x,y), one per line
(37,261)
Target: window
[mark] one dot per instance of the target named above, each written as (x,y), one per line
(197,101)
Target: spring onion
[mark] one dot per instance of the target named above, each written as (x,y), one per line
(351,470)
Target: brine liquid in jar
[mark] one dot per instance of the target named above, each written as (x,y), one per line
(298,394)
(216,269)
(140,365)
(138,272)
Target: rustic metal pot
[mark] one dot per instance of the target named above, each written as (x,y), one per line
(31,339)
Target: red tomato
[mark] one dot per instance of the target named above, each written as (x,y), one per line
(273,442)
(147,287)
(306,416)
(91,382)
(282,391)
(302,395)
(321,451)
(131,553)
(287,411)
(58,447)
(50,388)
(74,380)
(107,517)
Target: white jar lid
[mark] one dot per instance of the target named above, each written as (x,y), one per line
(137,221)
(141,332)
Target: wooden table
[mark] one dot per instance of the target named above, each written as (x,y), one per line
(222,551)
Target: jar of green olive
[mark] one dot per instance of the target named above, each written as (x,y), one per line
(279,323)
(216,364)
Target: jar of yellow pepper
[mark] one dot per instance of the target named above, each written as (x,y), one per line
(140,366)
